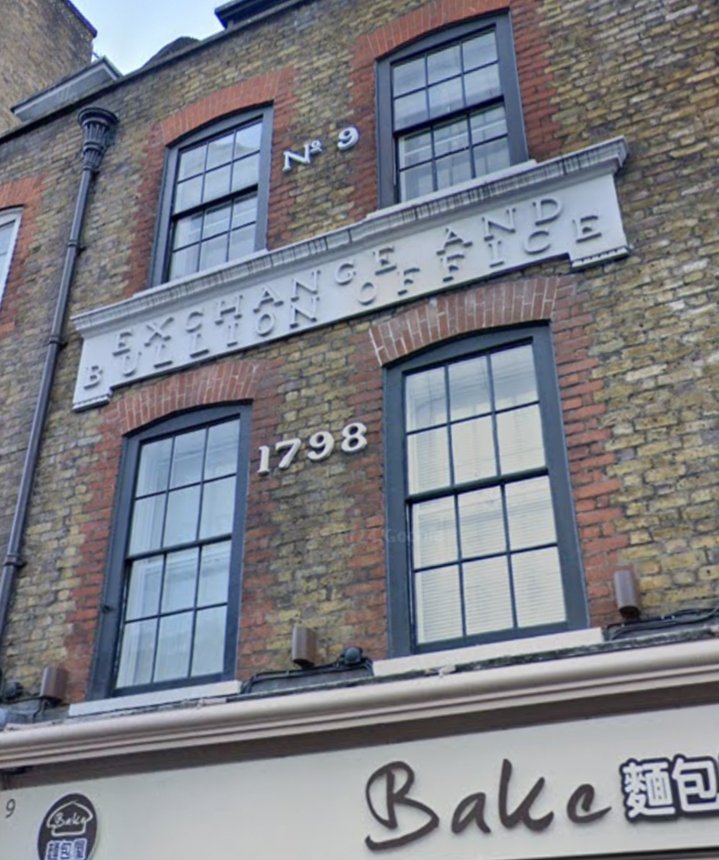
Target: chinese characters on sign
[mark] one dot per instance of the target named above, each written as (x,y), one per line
(69,830)
(661,788)
(66,849)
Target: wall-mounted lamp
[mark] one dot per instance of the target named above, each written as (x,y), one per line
(53,685)
(304,646)
(626,595)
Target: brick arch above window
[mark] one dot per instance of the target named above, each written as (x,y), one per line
(432,16)
(479,308)
(213,384)
(243,95)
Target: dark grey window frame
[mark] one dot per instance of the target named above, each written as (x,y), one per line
(400,612)
(161,247)
(102,678)
(386,146)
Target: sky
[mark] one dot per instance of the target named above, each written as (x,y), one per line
(129,32)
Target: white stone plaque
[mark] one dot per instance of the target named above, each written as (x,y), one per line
(562,208)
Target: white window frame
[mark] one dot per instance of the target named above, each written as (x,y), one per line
(8,216)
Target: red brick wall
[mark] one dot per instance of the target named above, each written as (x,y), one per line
(25,195)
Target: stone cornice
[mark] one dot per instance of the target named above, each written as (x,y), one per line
(639,678)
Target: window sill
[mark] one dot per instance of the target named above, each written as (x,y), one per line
(458,187)
(438,660)
(220,690)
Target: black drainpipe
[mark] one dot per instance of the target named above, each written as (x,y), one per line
(97,125)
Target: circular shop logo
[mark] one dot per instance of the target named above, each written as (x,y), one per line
(69,830)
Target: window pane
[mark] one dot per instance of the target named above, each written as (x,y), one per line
(154,467)
(209,652)
(482,84)
(218,508)
(244,211)
(213,252)
(428,460)
(530,514)
(184,262)
(187,458)
(434,533)
(454,169)
(437,600)
(487,595)
(143,595)
(452,137)
(445,97)
(217,183)
(488,124)
(248,139)
(444,64)
(6,231)
(469,388)
(410,109)
(147,520)
(479,51)
(538,588)
(425,399)
(217,221)
(242,242)
(180,577)
(490,157)
(415,148)
(222,444)
(408,76)
(188,194)
(192,162)
(245,172)
(220,151)
(473,450)
(138,649)
(214,574)
(182,514)
(187,231)
(416,182)
(514,379)
(481,522)
(520,440)
(173,647)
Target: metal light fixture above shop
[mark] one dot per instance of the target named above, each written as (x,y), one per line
(626,595)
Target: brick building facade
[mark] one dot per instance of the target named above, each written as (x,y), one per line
(395,321)
(41,42)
